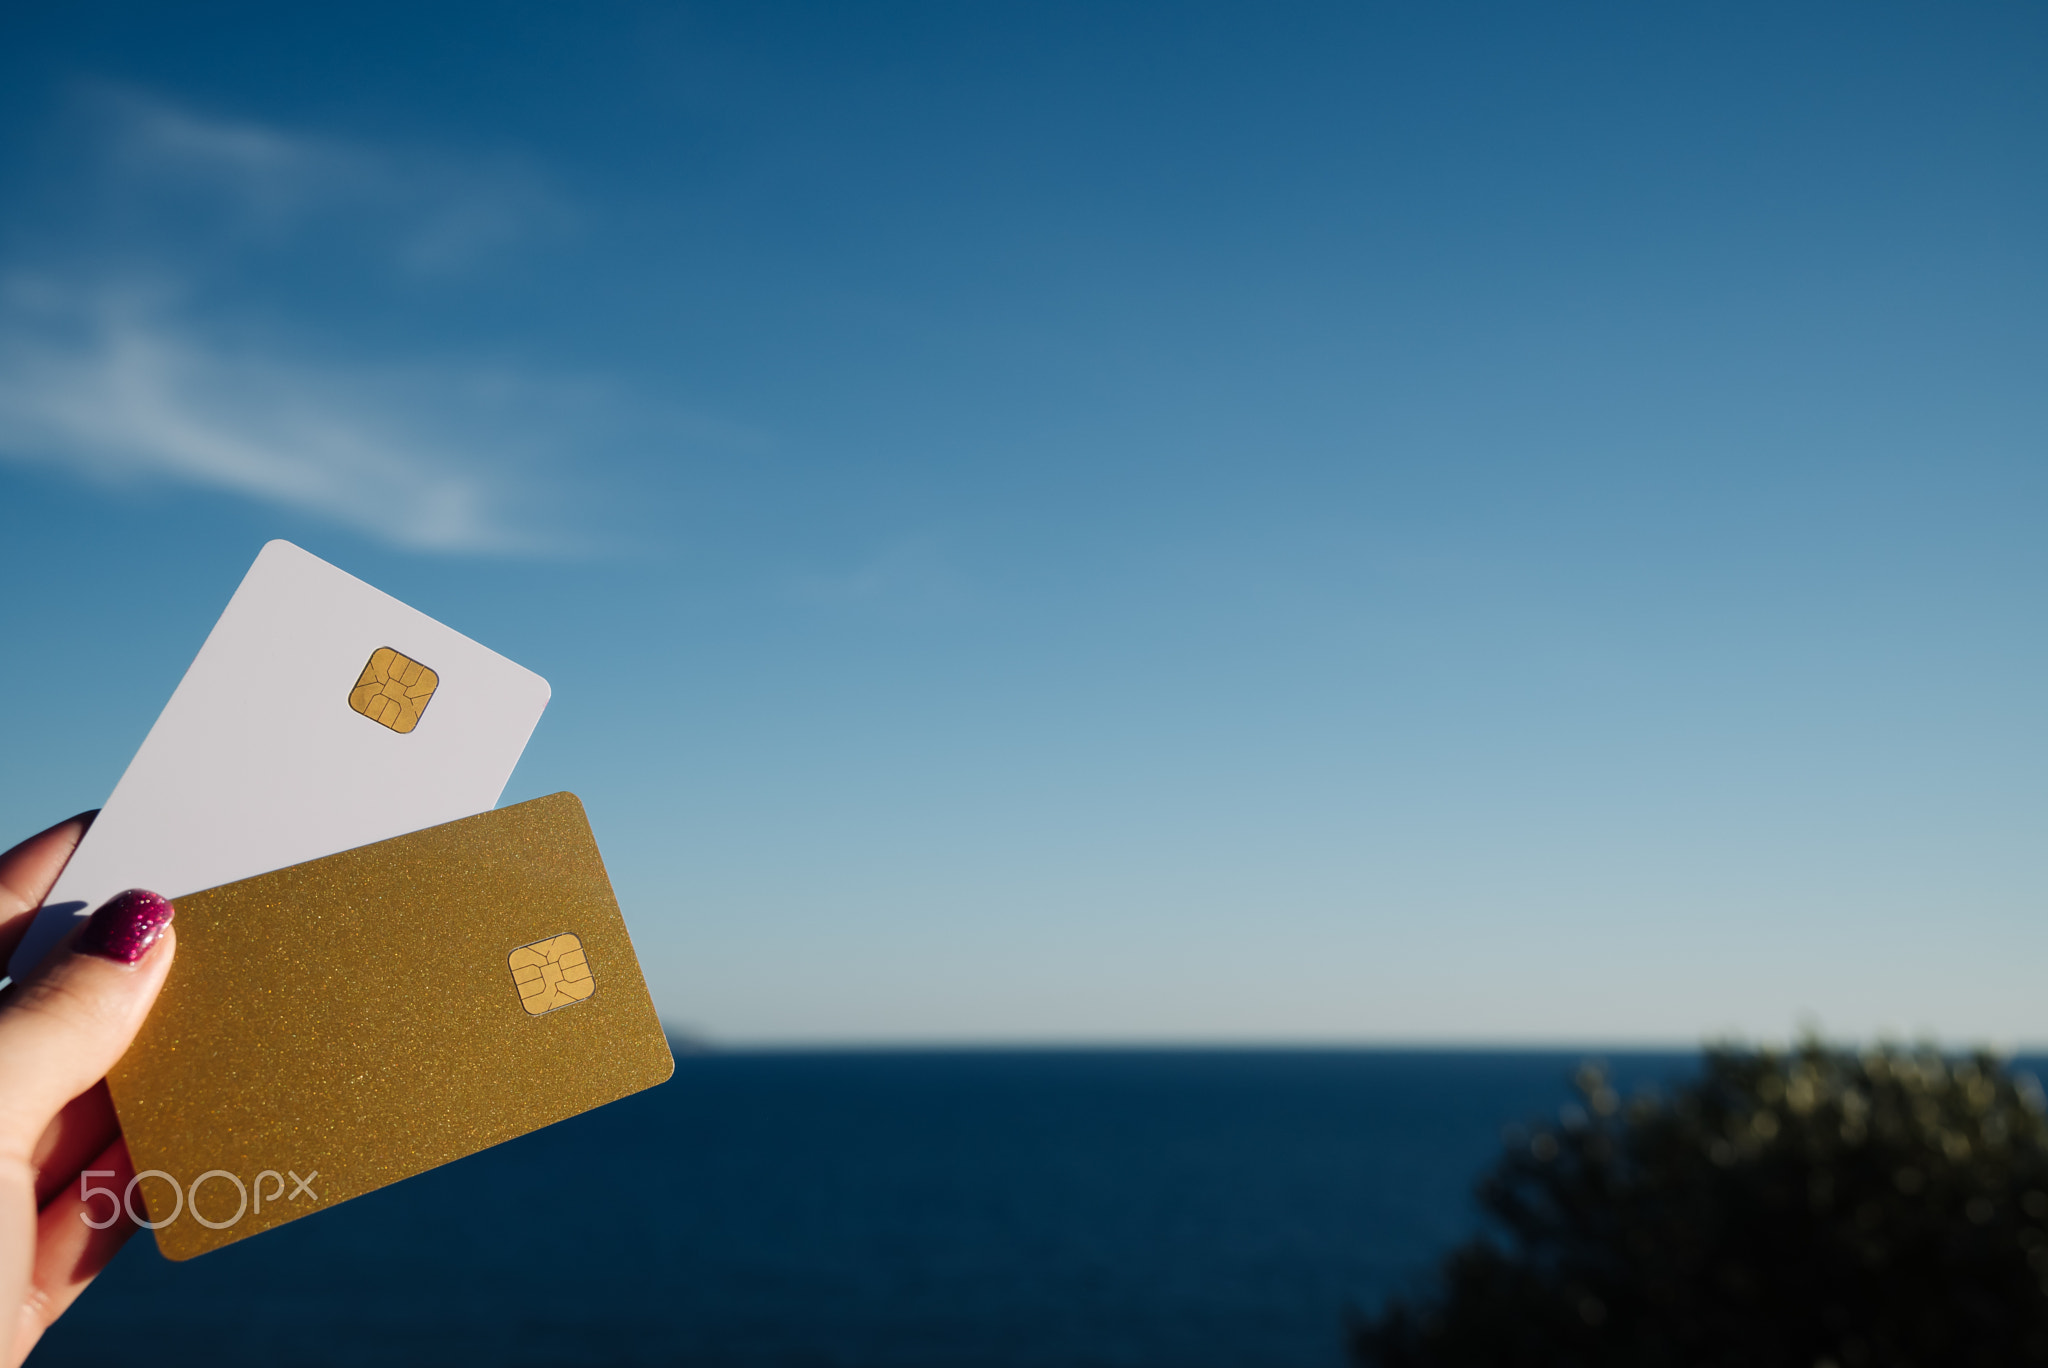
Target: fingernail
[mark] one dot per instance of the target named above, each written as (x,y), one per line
(126,925)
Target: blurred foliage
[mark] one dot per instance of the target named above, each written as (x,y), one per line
(1818,1209)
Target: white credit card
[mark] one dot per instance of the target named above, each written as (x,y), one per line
(320,715)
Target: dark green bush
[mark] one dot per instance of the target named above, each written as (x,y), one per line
(1818,1209)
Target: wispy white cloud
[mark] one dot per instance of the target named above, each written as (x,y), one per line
(115,391)
(422,210)
(137,344)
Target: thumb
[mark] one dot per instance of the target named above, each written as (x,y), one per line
(65,1026)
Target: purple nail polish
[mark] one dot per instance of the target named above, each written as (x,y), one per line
(126,925)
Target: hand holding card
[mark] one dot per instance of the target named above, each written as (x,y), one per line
(60,1030)
(377,974)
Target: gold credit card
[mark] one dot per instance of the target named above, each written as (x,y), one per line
(336,1026)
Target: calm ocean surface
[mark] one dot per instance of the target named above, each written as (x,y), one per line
(1069,1208)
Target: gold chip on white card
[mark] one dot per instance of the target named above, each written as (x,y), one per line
(393,689)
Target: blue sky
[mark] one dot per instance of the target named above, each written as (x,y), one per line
(1107,522)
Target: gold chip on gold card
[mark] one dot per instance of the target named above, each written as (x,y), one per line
(393,689)
(335,1026)
(551,973)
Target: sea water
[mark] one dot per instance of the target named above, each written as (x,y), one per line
(887,1209)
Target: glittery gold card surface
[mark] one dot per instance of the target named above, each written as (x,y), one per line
(393,689)
(334,1027)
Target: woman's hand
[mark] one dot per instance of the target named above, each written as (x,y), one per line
(61,1029)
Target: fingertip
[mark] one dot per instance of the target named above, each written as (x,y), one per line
(127,926)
